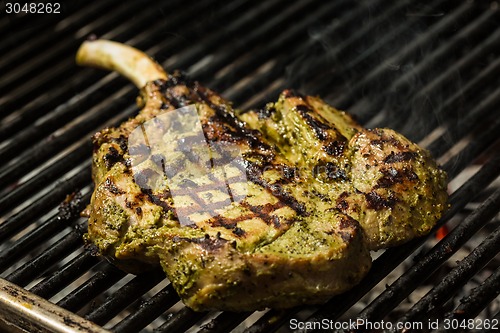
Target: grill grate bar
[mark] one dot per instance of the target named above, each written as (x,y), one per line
(474,87)
(440,57)
(473,149)
(224,322)
(57,194)
(362,62)
(64,218)
(56,37)
(63,46)
(235,28)
(427,264)
(271,321)
(104,278)
(124,297)
(16,30)
(148,311)
(261,81)
(479,257)
(473,119)
(50,146)
(251,40)
(34,268)
(79,81)
(50,75)
(48,175)
(180,321)
(437,85)
(478,299)
(383,73)
(64,276)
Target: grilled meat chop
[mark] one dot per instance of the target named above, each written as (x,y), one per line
(270,208)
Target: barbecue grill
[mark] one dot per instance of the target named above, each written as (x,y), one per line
(430,71)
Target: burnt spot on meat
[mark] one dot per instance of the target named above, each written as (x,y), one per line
(239,232)
(176,78)
(112,157)
(347,222)
(393,176)
(377,202)
(330,170)
(138,211)
(323,197)
(128,204)
(400,156)
(342,204)
(335,148)
(110,186)
(121,141)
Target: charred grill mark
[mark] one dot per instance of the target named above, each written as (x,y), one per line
(110,186)
(400,156)
(323,197)
(112,157)
(264,212)
(231,223)
(393,176)
(254,174)
(319,128)
(375,201)
(287,173)
(384,138)
(335,148)
(239,132)
(157,199)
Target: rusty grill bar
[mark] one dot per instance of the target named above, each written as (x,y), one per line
(429,71)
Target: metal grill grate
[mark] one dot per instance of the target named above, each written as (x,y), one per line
(429,71)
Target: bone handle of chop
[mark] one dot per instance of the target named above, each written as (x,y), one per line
(126,60)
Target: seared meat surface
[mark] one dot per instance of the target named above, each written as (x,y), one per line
(243,211)
(378,177)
